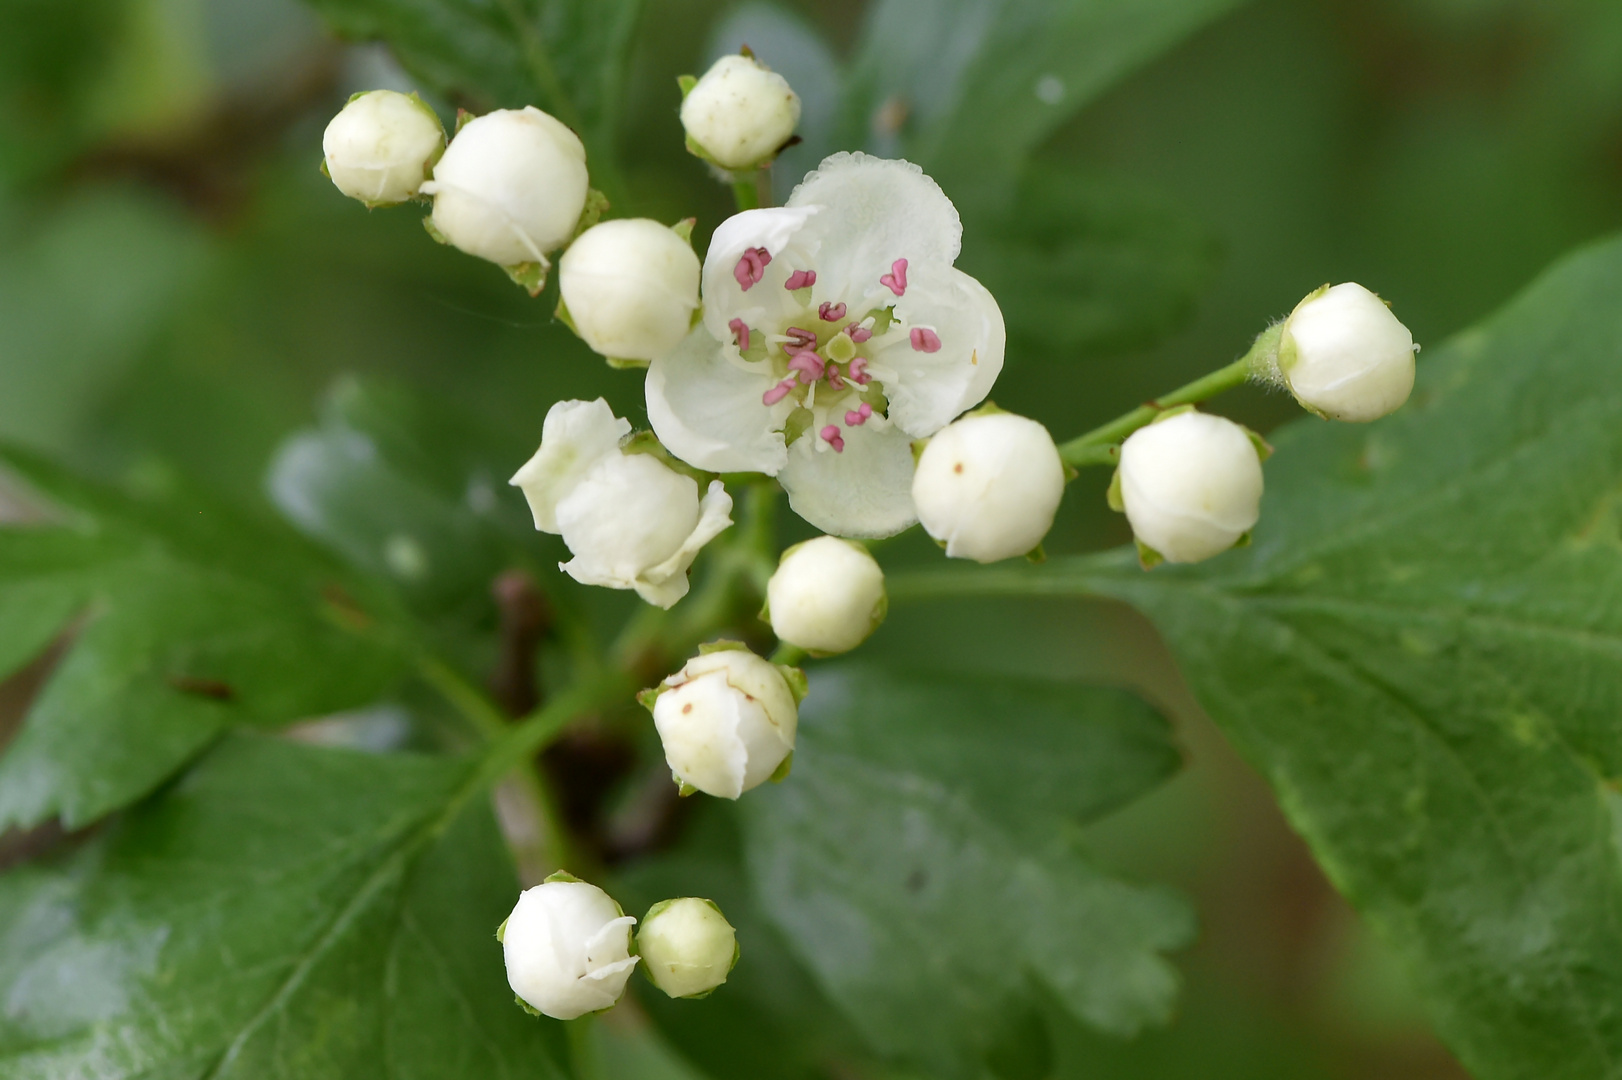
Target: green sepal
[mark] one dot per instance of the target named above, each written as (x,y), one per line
(684,229)
(527,1007)
(1070,471)
(744,50)
(649,697)
(433,231)
(1175,410)
(621,363)
(326,172)
(646,442)
(797,684)
(704,155)
(918,446)
(463,118)
(798,423)
(561,314)
(686,82)
(531,275)
(562,875)
(596,205)
(1264,449)
(1148,557)
(683,788)
(882,319)
(501,931)
(1113,495)
(1037,555)
(987,408)
(722,645)
(1244,539)
(780,773)
(356,96)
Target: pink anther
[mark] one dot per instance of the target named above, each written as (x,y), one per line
(831,436)
(857,370)
(801,279)
(835,380)
(858,333)
(742,331)
(778,392)
(831,312)
(808,364)
(925,339)
(858,417)
(896,279)
(799,339)
(751,267)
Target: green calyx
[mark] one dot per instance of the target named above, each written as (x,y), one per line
(530,275)
(561,875)
(1148,557)
(646,442)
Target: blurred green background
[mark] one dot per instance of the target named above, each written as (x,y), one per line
(179,287)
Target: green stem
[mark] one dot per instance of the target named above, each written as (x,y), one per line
(541,66)
(746,193)
(533,733)
(581,1033)
(1100,446)
(790,655)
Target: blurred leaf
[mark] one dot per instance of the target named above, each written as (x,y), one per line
(567,56)
(408,491)
(1092,265)
(1423,654)
(190,620)
(968,88)
(282,912)
(922,860)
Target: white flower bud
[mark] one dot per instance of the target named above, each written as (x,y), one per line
(380,147)
(1191,486)
(988,486)
(568,948)
(740,112)
(630,520)
(687,946)
(510,187)
(827,596)
(631,287)
(1345,356)
(727,720)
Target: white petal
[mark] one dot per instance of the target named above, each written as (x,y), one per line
(930,389)
(630,512)
(864,492)
(574,437)
(874,211)
(666,583)
(707,409)
(765,301)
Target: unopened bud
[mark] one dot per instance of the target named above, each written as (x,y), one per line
(630,287)
(568,948)
(510,187)
(727,720)
(827,596)
(988,485)
(1191,486)
(687,946)
(1345,356)
(630,520)
(740,113)
(380,147)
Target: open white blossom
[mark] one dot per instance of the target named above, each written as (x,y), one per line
(827,595)
(687,946)
(740,112)
(835,331)
(630,520)
(1345,356)
(1190,485)
(568,948)
(727,721)
(631,286)
(988,486)
(380,147)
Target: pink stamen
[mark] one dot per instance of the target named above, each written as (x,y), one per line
(799,339)
(858,333)
(925,340)
(831,436)
(858,417)
(857,370)
(778,392)
(896,279)
(834,379)
(800,279)
(751,267)
(808,364)
(742,331)
(831,312)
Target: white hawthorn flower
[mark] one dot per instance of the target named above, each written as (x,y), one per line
(381,146)
(510,187)
(630,520)
(568,948)
(740,112)
(1345,356)
(1190,484)
(631,287)
(727,720)
(687,946)
(827,596)
(835,332)
(988,486)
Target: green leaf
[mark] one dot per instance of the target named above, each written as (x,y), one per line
(566,56)
(283,911)
(923,861)
(1422,651)
(184,620)
(968,88)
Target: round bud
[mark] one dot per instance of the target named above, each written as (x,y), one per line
(727,720)
(687,946)
(988,486)
(631,287)
(380,147)
(827,596)
(510,187)
(568,948)
(740,113)
(1345,356)
(1191,485)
